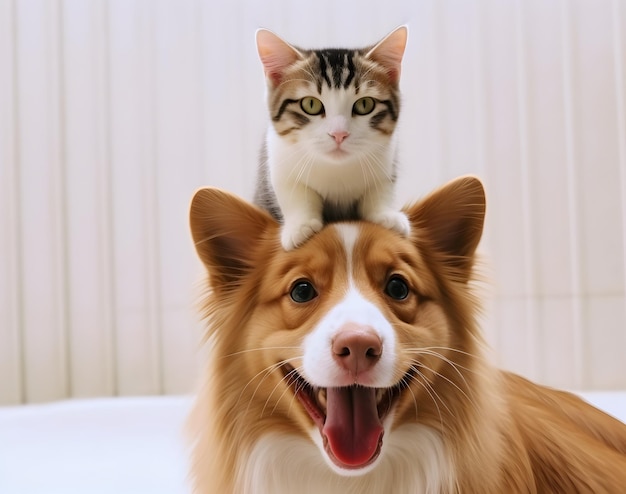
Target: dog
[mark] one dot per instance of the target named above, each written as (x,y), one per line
(354,364)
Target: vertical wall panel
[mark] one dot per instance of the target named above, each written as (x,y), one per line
(572,214)
(133,175)
(547,201)
(229,160)
(597,147)
(505,199)
(178,147)
(112,112)
(252,96)
(619,63)
(40,131)
(11,385)
(88,199)
(457,66)
(480,101)
(527,229)
(421,117)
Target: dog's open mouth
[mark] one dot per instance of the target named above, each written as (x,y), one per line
(350,418)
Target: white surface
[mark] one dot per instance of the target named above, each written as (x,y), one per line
(100,446)
(116,445)
(613,403)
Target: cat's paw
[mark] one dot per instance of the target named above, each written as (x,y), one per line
(294,234)
(394,220)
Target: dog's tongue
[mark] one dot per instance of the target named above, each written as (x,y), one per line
(352,428)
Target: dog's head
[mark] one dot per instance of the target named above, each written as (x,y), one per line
(347,337)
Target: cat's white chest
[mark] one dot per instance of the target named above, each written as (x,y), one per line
(305,181)
(340,179)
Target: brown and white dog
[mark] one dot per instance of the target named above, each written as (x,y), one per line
(353,364)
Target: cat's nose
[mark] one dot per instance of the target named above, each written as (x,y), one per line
(339,135)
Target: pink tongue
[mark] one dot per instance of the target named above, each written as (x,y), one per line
(352,428)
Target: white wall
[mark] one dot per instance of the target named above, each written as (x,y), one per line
(112,112)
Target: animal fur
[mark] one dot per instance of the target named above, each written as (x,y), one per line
(450,421)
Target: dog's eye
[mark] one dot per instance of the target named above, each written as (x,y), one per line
(397,288)
(302,291)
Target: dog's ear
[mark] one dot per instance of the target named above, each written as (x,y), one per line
(450,220)
(227,232)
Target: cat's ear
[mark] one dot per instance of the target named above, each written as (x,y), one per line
(450,221)
(389,52)
(275,54)
(228,234)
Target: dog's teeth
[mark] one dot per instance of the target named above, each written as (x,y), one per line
(379,395)
(321,397)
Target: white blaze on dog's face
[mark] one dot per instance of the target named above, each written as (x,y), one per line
(344,339)
(354,323)
(347,355)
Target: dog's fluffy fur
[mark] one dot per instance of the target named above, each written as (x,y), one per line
(359,312)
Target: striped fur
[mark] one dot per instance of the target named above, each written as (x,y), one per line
(334,69)
(337,162)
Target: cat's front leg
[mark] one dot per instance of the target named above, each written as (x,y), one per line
(302,215)
(375,206)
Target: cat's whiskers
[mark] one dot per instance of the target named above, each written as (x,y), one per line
(373,166)
(297,166)
(368,172)
(308,69)
(379,165)
(302,79)
(308,167)
(303,165)
(369,67)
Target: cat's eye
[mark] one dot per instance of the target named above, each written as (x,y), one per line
(311,105)
(302,291)
(397,288)
(364,106)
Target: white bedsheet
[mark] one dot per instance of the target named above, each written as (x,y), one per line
(116,445)
(99,446)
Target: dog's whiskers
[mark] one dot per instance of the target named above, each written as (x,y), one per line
(267,371)
(298,387)
(289,378)
(260,349)
(429,389)
(450,381)
(445,359)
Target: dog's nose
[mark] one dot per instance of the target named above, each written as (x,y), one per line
(357,348)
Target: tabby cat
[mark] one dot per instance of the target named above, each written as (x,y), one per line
(329,152)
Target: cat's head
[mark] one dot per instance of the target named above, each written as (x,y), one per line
(334,103)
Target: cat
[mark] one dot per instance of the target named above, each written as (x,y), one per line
(329,153)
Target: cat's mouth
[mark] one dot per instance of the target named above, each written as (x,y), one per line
(349,418)
(338,153)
